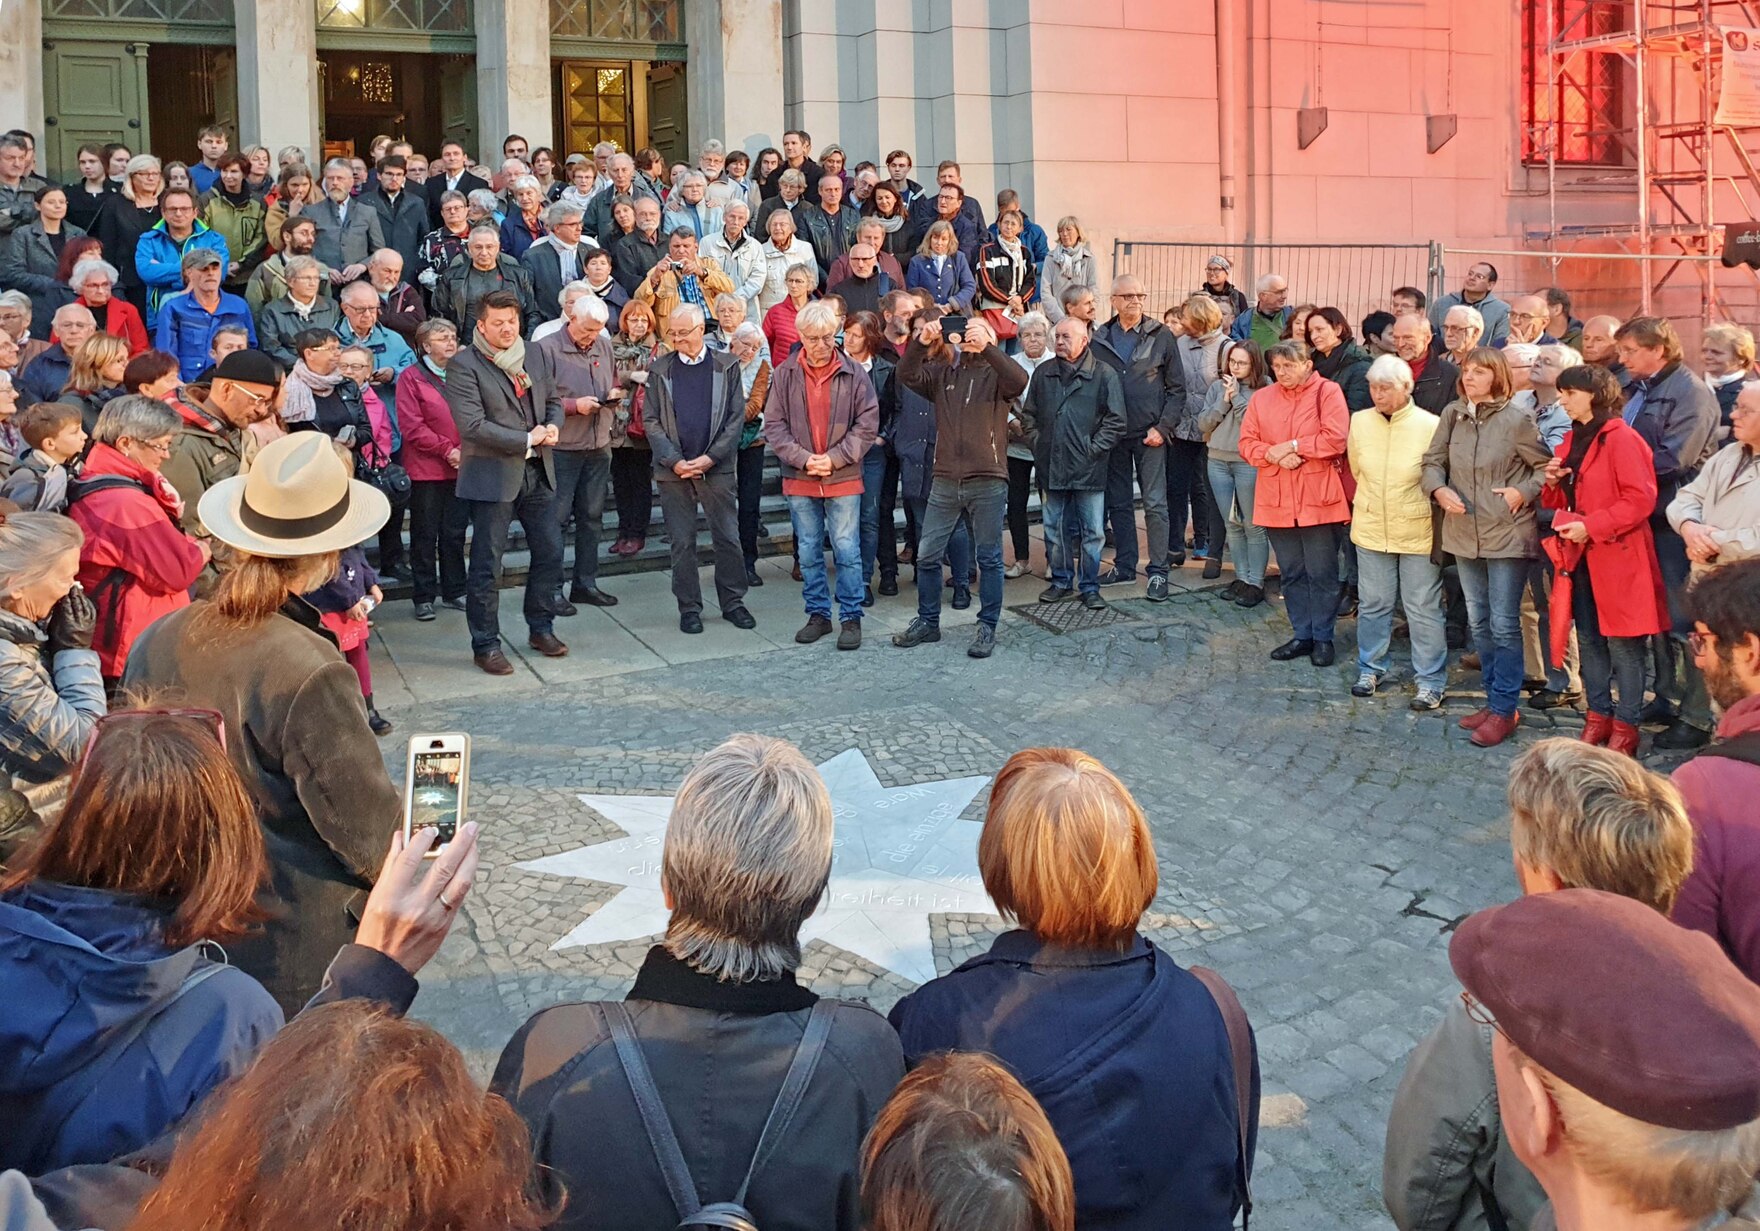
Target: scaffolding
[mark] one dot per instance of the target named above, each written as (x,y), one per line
(1685,170)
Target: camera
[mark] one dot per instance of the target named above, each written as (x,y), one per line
(675,266)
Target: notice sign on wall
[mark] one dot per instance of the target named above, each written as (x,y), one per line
(1738,95)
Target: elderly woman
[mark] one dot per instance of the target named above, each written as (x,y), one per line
(1601,482)
(137,563)
(1718,513)
(1483,469)
(1728,352)
(317,394)
(524,224)
(33,253)
(1008,281)
(747,345)
(779,322)
(1233,479)
(431,453)
(635,347)
(296,729)
(1294,432)
(783,251)
(294,193)
(1391,530)
(446,242)
(1200,344)
(93,283)
(153,865)
(96,377)
(1035,351)
(1128,1054)
(747,858)
(941,269)
(1070,264)
(302,308)
(125,216)
(51,691)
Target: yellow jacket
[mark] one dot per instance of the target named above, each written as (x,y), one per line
(1391,513)
(663,300)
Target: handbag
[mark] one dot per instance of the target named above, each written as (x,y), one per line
(388,476)
(1000,324)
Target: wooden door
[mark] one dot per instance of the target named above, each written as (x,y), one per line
(666,112)
(458,106)
(93,93)
(225,76)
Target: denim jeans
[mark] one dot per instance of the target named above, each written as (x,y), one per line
(984,500)
(535,506)
(749,474)
(1233,484)
(1607,660)
(1308,558)
(1086,510)
(1677,677)
(582,479)
(1383,577)
(1493,588)
(879,533)
(1134,460)
(437,522)
(841,517)
(959,547)
(1188,490)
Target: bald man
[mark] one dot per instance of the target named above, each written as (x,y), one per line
(1527,322)
(1598,346)
(46,376)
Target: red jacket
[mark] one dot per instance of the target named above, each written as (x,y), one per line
(1722,896)
(425,420)
(1615,495)
(1315,417)
(121,319)
(136,564)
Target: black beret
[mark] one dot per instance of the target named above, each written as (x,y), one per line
(250,367)
(1648,1018)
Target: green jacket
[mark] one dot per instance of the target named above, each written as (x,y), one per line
(242,227)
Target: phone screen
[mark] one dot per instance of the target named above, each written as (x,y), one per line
(434,791)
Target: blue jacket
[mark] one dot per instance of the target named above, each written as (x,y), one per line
(389,351)
(80,971)
(45,377)
(186,329)
(158,259)
(954,284)
(1033,239)
(1128,1055)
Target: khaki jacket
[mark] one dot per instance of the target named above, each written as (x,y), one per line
(712,281)
(1391,513)
(1474,454)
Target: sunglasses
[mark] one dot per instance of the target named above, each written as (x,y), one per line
(214,720)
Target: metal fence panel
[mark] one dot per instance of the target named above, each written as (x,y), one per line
(1357,279)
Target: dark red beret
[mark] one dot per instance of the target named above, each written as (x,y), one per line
(1646,1017)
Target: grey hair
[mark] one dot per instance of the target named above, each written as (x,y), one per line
(1527,352)
(578,287)
(296,265)
(561,212)
(712,146)
(18,299)
(687,310)
(483,228)
(139,163)
(646,202)
(1475,318)
(817,314)
(698,176)
(1392,370)
(727,297)
(31,544)
(808,268)
(793,176)
(336,164)
(1564,356)
(365,287)
(84,268)
(384,256)
(590,306)
(617,160)
(747,859)
(523,182)
(451,195)
(136,417)
(746,329)
(298,154)
(1033,320)
(734,203)
(1265,282)
(482,198)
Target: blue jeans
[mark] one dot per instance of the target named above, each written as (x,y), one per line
(1493,590)
(1086,510)
(1607,660)
(1308,558)
(1131,459)
(985,501)
(840,516)
(1381,578)
(1233,485)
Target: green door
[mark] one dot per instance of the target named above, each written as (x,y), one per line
(666,112)
(458,106)
(93,92)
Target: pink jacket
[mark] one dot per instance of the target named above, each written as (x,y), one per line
(426,422)
(1721,897)
(1315,417)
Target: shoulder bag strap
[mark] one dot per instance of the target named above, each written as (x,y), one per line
(794,1088)
(1744,747)
(664,1141)
(1240,1047)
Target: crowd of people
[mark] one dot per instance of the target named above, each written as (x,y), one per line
(249,377)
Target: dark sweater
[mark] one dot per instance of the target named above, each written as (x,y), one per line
(690,395)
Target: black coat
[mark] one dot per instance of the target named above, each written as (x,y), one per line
(435,188)
(633,258)
(120,225)
(1153,375)
(404,224)
(1435,389)
(1072,423)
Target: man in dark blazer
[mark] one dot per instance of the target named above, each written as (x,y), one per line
(505,402)
(449,175)
(403,210)
(557,259)
(694,416)
(348,228)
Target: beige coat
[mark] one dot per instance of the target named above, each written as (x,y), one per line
(1725,497)
(1474,454)
(1391,513)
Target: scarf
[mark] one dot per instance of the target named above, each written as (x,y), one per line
(1068,256)
(889,224)
(1582,436)
(304,309)
(438,373)
(511,361)
(298,404)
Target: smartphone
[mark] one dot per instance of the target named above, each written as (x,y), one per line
(436,785)
(953,328)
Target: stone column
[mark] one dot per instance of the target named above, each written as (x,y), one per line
(733,72)
(513,75)
(279,102)
(21,65)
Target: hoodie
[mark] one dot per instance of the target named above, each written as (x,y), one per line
(110,1036)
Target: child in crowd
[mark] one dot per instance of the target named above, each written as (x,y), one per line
(56,436)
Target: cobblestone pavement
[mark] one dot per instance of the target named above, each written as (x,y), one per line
(1315,848)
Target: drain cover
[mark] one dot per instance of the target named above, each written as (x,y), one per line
(1070,616)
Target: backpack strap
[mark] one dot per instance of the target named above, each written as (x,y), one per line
(1743,747)
(661,1138)
(794,1088)
(1240,1048)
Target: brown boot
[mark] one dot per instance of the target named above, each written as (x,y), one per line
(1495,729)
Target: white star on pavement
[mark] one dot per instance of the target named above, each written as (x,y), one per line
(899,855)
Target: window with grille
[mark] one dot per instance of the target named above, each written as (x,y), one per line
(639,21)
(206,12)
(413,16)
(1573,103)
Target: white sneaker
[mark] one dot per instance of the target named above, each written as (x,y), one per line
(1017,569)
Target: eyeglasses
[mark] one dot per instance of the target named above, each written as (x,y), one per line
(255,397)
(1480,1014)
(214,720)
(1700,642)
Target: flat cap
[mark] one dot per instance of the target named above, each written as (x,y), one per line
(1643,1016)
(249,367)
(199,258)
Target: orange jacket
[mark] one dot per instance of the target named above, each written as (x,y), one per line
(1314,416)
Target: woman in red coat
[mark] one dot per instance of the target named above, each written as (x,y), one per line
(93,282)
(136,565)
(437,518)
(1602,481)
(1295,432)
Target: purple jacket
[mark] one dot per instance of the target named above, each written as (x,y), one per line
(1722,896)
(855,418)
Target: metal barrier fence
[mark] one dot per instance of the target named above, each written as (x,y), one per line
(1357,279)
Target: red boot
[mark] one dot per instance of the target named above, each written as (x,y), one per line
(1624,739)
(1596,728)
(1476,719)
(1495,729)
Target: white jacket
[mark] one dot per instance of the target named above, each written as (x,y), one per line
(746,267)
(776,264)
(1725,498)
